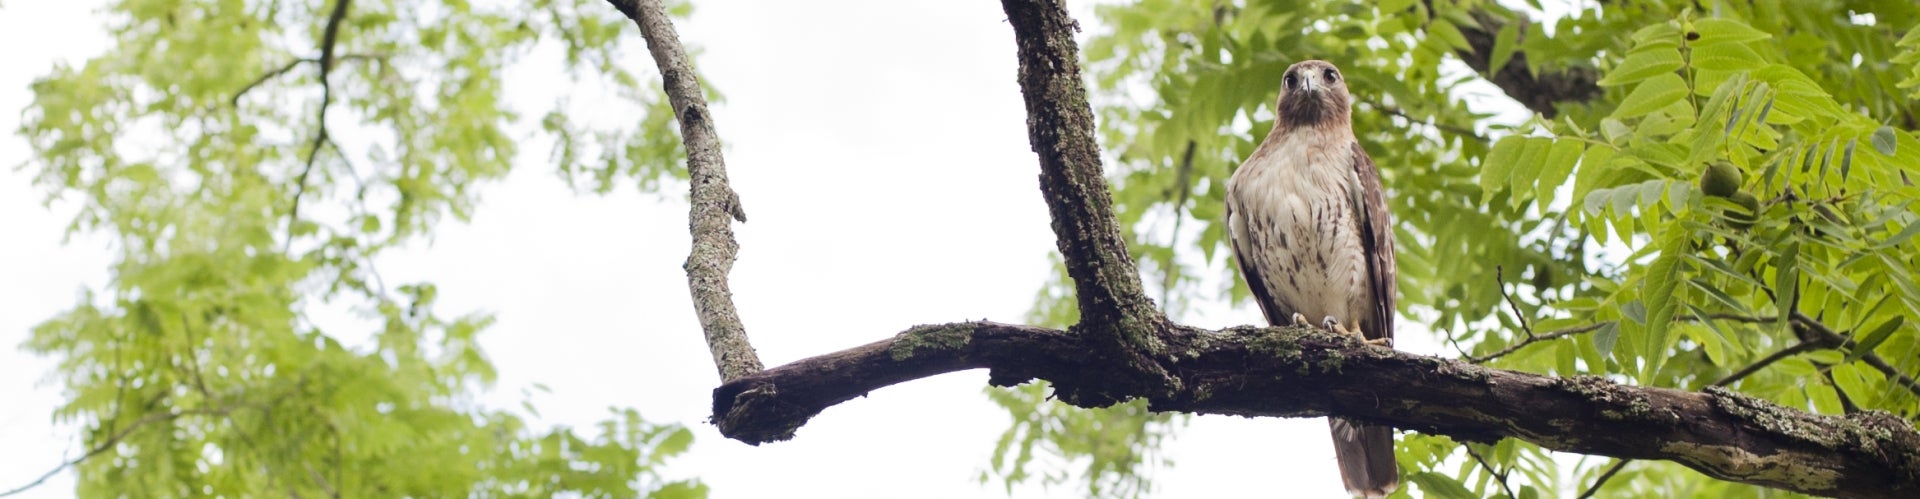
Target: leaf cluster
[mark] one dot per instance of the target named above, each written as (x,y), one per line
(250,161)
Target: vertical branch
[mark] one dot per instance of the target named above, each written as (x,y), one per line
(327,40)
(1061,129)
(713,200)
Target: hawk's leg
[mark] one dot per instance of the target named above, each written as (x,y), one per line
(1299,320)
(1334,325)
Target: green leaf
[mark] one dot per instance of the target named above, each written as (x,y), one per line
(1605,338)
(1504,45)
(1824,399)
(1499,164)
(1438,485)
(1657,33)
(1558,166)
(1885,141)
(1719,295)
(1658,291)
(1707,333)
(1721,31)
(1614,130)
(1865,344)
(1446,32)
(1786,282)
(680,490)
(1526,169)
(1643,63)
(1654,93)
(1846,159)
(1905,234)
(1726,57)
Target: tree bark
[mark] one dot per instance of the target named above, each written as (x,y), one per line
(1061,129)
(714,248)
(1289,372)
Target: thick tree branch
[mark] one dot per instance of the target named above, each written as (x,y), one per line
(713,198)
(1284,372)
(1540,92)
(1060,126)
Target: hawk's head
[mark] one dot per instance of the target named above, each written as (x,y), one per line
(1313,93)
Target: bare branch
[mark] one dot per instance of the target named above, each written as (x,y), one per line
(1562,333)
(1286,372)
(713,199)
(1811,325)
(1498,476)
(1500,279)
(1604,476)
(327,41)
(1554,335)
(265,77)
(113,440)
(1755,367)
(276,73)
(1435,123)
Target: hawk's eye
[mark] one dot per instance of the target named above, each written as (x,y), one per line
(1290,81)
(1333,76)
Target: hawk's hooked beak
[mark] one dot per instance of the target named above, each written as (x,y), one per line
(1308,84)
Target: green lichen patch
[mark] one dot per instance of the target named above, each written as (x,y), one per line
(1626,404)
(930,338)
(1275,342)
(1783,468)
(1781,420)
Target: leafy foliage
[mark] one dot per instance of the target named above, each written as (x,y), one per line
(202,143)
(1573,244)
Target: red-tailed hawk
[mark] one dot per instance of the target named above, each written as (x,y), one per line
(1314,240)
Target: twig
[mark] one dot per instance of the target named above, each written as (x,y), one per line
(714,248)
(263,78)
(1796,349)
(327,41)
(1611,470)
(1497,475)
(1436,124)
(1554,335)
(1814,326)
(1500,279)
(1557,334)
(112,441)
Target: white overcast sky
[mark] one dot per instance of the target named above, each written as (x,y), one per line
(880,150)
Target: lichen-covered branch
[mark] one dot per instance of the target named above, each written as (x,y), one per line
(713,198)
(1061,129)
(1286,372)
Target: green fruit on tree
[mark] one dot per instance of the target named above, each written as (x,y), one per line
(1721,179)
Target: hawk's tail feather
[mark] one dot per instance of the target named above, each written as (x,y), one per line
(1365,456)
